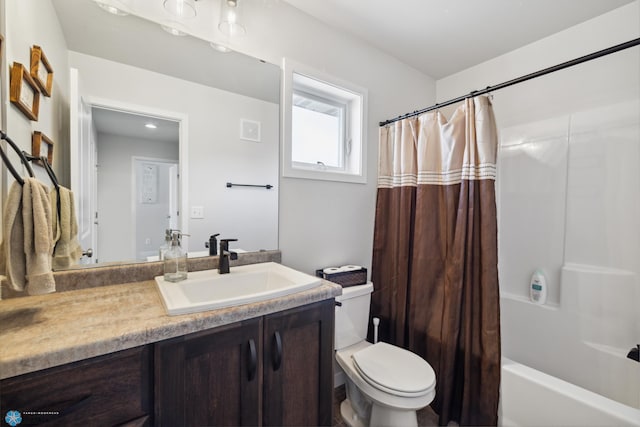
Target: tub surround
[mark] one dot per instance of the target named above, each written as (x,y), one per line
(49,330)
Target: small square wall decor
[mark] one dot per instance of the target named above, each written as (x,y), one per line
(41,70)
(23,92)
(41,146)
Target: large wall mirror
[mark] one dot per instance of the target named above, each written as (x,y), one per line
(159,125)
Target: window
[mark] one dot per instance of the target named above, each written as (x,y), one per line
(324,127)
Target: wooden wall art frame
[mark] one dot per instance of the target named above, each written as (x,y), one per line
(42,145)
(41,70)
(23,92)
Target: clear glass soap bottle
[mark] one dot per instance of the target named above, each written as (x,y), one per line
(175,260)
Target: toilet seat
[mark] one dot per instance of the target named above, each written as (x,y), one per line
(374,392)
(394,370)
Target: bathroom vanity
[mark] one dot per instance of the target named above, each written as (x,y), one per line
(112,356)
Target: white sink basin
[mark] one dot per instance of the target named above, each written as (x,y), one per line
(207,290)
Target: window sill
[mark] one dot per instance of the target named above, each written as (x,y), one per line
(324,175)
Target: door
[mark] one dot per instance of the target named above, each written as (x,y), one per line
(298,366)
(210,378)
(155,203)
(83,169)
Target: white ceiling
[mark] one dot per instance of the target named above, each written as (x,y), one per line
(442,37)
(142,43)
(133,125)
(437,37)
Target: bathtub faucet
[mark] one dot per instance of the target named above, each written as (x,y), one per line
(634,354)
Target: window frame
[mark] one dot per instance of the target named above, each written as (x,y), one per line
(342,126)
(353,145)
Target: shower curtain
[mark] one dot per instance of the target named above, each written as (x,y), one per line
(435,254)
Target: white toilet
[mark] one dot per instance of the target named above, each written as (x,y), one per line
(385,384)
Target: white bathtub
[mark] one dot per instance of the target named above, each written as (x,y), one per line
(532,398)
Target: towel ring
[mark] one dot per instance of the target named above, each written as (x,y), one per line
(7,162)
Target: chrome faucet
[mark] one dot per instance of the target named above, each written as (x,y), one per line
(225,255)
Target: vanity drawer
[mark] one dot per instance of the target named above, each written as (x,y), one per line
(114,389)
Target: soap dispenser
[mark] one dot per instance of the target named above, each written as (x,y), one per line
(175,260)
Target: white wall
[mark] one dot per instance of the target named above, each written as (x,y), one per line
(582,87)
(28,23)
(25,23)
(568,201)
(329,223)
(216,152)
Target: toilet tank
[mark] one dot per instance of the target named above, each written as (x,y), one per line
(352,317)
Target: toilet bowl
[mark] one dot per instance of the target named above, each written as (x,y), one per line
(385,384)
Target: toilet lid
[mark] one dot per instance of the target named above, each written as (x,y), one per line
(394,369)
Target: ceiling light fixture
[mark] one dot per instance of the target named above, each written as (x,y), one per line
(150,126)
(181,8)
(113,7)
(220,47)
(174,28)
(230,18)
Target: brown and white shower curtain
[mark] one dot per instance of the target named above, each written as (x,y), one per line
(435,254)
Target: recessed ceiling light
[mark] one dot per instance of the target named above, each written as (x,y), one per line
(150,126)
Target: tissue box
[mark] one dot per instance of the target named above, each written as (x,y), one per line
(345,278)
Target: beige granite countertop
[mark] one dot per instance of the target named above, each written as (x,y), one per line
(39,332)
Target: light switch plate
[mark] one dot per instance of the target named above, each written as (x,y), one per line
(197,212)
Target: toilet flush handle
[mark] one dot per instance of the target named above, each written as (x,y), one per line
(376,323)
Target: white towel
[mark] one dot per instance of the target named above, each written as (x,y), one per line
(38,237)
(67,250)
(25,253)
(12,259)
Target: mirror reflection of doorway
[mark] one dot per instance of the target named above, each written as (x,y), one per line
(137,183)
(155,203)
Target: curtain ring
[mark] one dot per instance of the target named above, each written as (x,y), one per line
(489,94)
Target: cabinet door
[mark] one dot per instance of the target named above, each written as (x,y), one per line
(210,378)
(298,366)
(102,391)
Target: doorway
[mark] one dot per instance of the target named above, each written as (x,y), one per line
(105,135)
(137,183)
(155,203)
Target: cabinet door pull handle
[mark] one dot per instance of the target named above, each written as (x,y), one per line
(253,359)
(277,356)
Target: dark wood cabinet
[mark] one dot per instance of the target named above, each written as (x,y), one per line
(298,366)
(273,371)
(107,390)
(209,378)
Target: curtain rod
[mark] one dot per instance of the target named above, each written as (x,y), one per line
(580,60)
